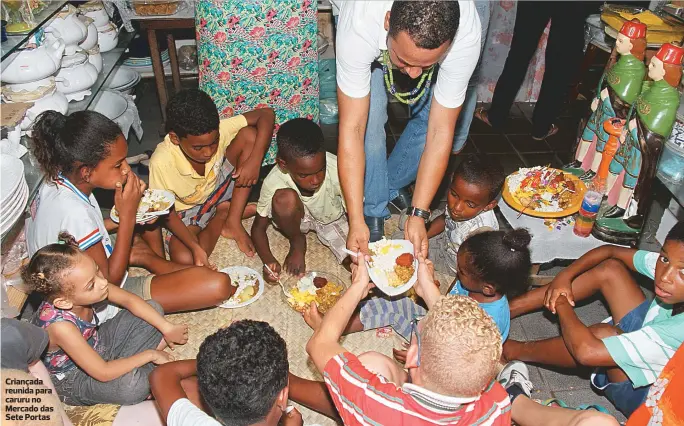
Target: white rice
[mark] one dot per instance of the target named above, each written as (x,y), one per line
(384,262)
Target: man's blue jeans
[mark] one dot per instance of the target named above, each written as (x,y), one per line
(385,176)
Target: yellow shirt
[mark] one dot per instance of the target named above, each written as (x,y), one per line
(326,205)
(170,170)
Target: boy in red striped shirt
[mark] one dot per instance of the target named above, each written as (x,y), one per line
(452,362)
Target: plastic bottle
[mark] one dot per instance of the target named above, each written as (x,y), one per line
(584,221)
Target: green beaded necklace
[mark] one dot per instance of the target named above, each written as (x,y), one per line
(416,93)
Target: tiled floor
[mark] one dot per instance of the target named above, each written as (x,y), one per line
(514,148)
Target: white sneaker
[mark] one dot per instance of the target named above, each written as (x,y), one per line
(516,372)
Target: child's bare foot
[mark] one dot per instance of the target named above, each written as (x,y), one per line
(237,232)
(312,317)
(141,253)
(295,259)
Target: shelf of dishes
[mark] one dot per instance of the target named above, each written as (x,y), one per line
(15,41)
(32,173)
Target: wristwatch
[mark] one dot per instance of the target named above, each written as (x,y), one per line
(415,211)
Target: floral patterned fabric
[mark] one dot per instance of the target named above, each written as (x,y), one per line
(663,404)
(495,52)
(58,362)
(259,53)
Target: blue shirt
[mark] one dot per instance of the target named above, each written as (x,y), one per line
(498,310)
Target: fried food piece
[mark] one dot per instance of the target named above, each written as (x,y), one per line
(404,273)
(405,260)
(320,282)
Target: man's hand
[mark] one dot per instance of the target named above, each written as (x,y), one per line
(357,240)
(247,172)
(415,231)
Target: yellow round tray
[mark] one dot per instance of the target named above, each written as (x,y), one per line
(574,207)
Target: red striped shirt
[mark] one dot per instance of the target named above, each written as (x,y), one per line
(365,398)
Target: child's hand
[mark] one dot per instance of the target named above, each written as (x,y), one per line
(425,281)
(159,357)
(360,276)
(276,268)
(127,197)
(200,257)
(558,287)
(400,354)
(247,172)
(175,334)
(293,418)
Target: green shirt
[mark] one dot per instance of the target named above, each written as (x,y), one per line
(626,77)
(657,106)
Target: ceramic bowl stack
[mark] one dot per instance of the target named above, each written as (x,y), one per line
(14,191)
(110,104)
(123,79)
(107,32)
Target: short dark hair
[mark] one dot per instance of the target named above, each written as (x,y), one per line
(191,112)
(63,143)
(480,169)
(676,233)
(429,23)
(501,258)
(240,370)
(299,138)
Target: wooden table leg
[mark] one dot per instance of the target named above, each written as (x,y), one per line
(158,68)
(173,56)
(539,280)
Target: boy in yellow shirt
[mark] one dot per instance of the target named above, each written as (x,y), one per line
(210,166)
(301,194)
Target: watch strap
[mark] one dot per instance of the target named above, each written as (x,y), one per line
(415,211)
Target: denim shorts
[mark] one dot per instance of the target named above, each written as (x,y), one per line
(623,395)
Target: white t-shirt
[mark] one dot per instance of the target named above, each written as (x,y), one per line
(361,36)
(185,413)
(60,206)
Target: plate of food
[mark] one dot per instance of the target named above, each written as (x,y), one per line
(314,287)
(154,203)
(250,286)
(392,268)
(544,192)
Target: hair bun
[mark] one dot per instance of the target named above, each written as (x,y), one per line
(517,239)
(66,238)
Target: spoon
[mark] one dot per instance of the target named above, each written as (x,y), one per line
(279,282)
(351,253)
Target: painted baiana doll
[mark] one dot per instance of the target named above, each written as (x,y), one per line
(650,124)
(618,89)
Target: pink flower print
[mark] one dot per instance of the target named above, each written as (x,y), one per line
(203,23)
(273,56)
(504,38)
(306,4)
(259,72)
(236,62)
(261,105)
(227,112)
(232,21)
(48,313)
(276,128)
(294,62)
(306,45)
(295,100)
(240,99)
(292,22)
(507,5)
(309,116)
(257,32)
(206,63)
(220,37)
(271,14)
(275,94)
(224,76)
(306,83)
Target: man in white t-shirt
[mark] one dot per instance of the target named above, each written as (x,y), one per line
(412,38)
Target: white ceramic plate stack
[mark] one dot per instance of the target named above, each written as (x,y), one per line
(123,80)
(110,104)
(14,191)
(145,64)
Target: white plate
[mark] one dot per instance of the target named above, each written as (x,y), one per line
(234,272)
(122,77)
(142,215)
(10,177)
(110,104)
(380,279)
(14,199)
(9,219)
